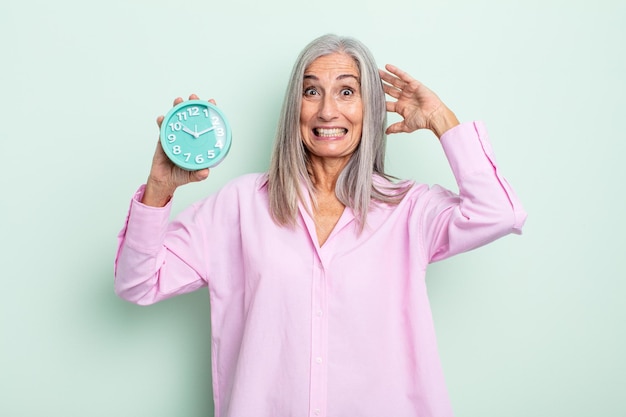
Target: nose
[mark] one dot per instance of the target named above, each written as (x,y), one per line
(328,108)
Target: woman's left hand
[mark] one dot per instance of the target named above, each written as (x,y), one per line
(419,106)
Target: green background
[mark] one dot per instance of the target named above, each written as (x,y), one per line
(527,326)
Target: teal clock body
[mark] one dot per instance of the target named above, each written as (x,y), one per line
(195,135)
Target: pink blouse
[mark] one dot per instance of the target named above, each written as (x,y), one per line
(302,330)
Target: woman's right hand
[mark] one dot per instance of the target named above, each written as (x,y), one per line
(164,176)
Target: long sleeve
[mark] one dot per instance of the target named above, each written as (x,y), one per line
(486,207)
(144,255)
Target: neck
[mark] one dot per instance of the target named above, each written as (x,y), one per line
(325,172)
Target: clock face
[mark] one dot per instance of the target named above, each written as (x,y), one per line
(195,135)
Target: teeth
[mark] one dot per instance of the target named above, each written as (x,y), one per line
(330,132)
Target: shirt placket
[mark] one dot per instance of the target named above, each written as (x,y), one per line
(318,395)
(319,341)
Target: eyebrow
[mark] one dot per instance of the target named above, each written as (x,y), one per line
(341,77)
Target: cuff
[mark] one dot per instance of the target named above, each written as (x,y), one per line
(467,148)
(146,225)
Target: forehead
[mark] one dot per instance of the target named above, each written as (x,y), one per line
(333,65)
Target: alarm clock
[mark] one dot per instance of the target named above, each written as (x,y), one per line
(195,135)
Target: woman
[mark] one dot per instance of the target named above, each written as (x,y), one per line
(315,270)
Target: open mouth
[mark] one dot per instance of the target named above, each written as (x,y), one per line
(330,133)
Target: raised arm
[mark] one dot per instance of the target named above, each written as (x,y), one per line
(156,258)
(486,207)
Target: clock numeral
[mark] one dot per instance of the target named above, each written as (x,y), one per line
(215,120)
(219,131)
(206,112)
(211,154)
(199,159)
(171,138)
(176,126)
(219,144)
(181,116)
(176,150)
(187,156)
(193,111)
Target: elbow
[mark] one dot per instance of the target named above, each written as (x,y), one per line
(126,295)
(507,220)
(132,294)
(132,284)
(503,214)
(493,224)
(516,219)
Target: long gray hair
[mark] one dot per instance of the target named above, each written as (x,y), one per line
(355,187)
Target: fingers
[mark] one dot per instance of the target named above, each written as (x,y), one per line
(395,128)
(398,81)
(192,96)
(199,175)
(391,106)
(392,85)
(395,77)
(195,97)
(401,77)
(179,100)
(392,91)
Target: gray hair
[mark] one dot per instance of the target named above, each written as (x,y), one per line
(355,186)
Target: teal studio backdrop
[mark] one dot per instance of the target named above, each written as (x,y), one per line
(527,326)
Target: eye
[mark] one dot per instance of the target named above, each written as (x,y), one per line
(347,92)
(310,91)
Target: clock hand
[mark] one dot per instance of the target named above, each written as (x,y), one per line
(205,131)
(191,132)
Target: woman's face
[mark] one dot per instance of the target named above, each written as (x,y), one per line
(331,116)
